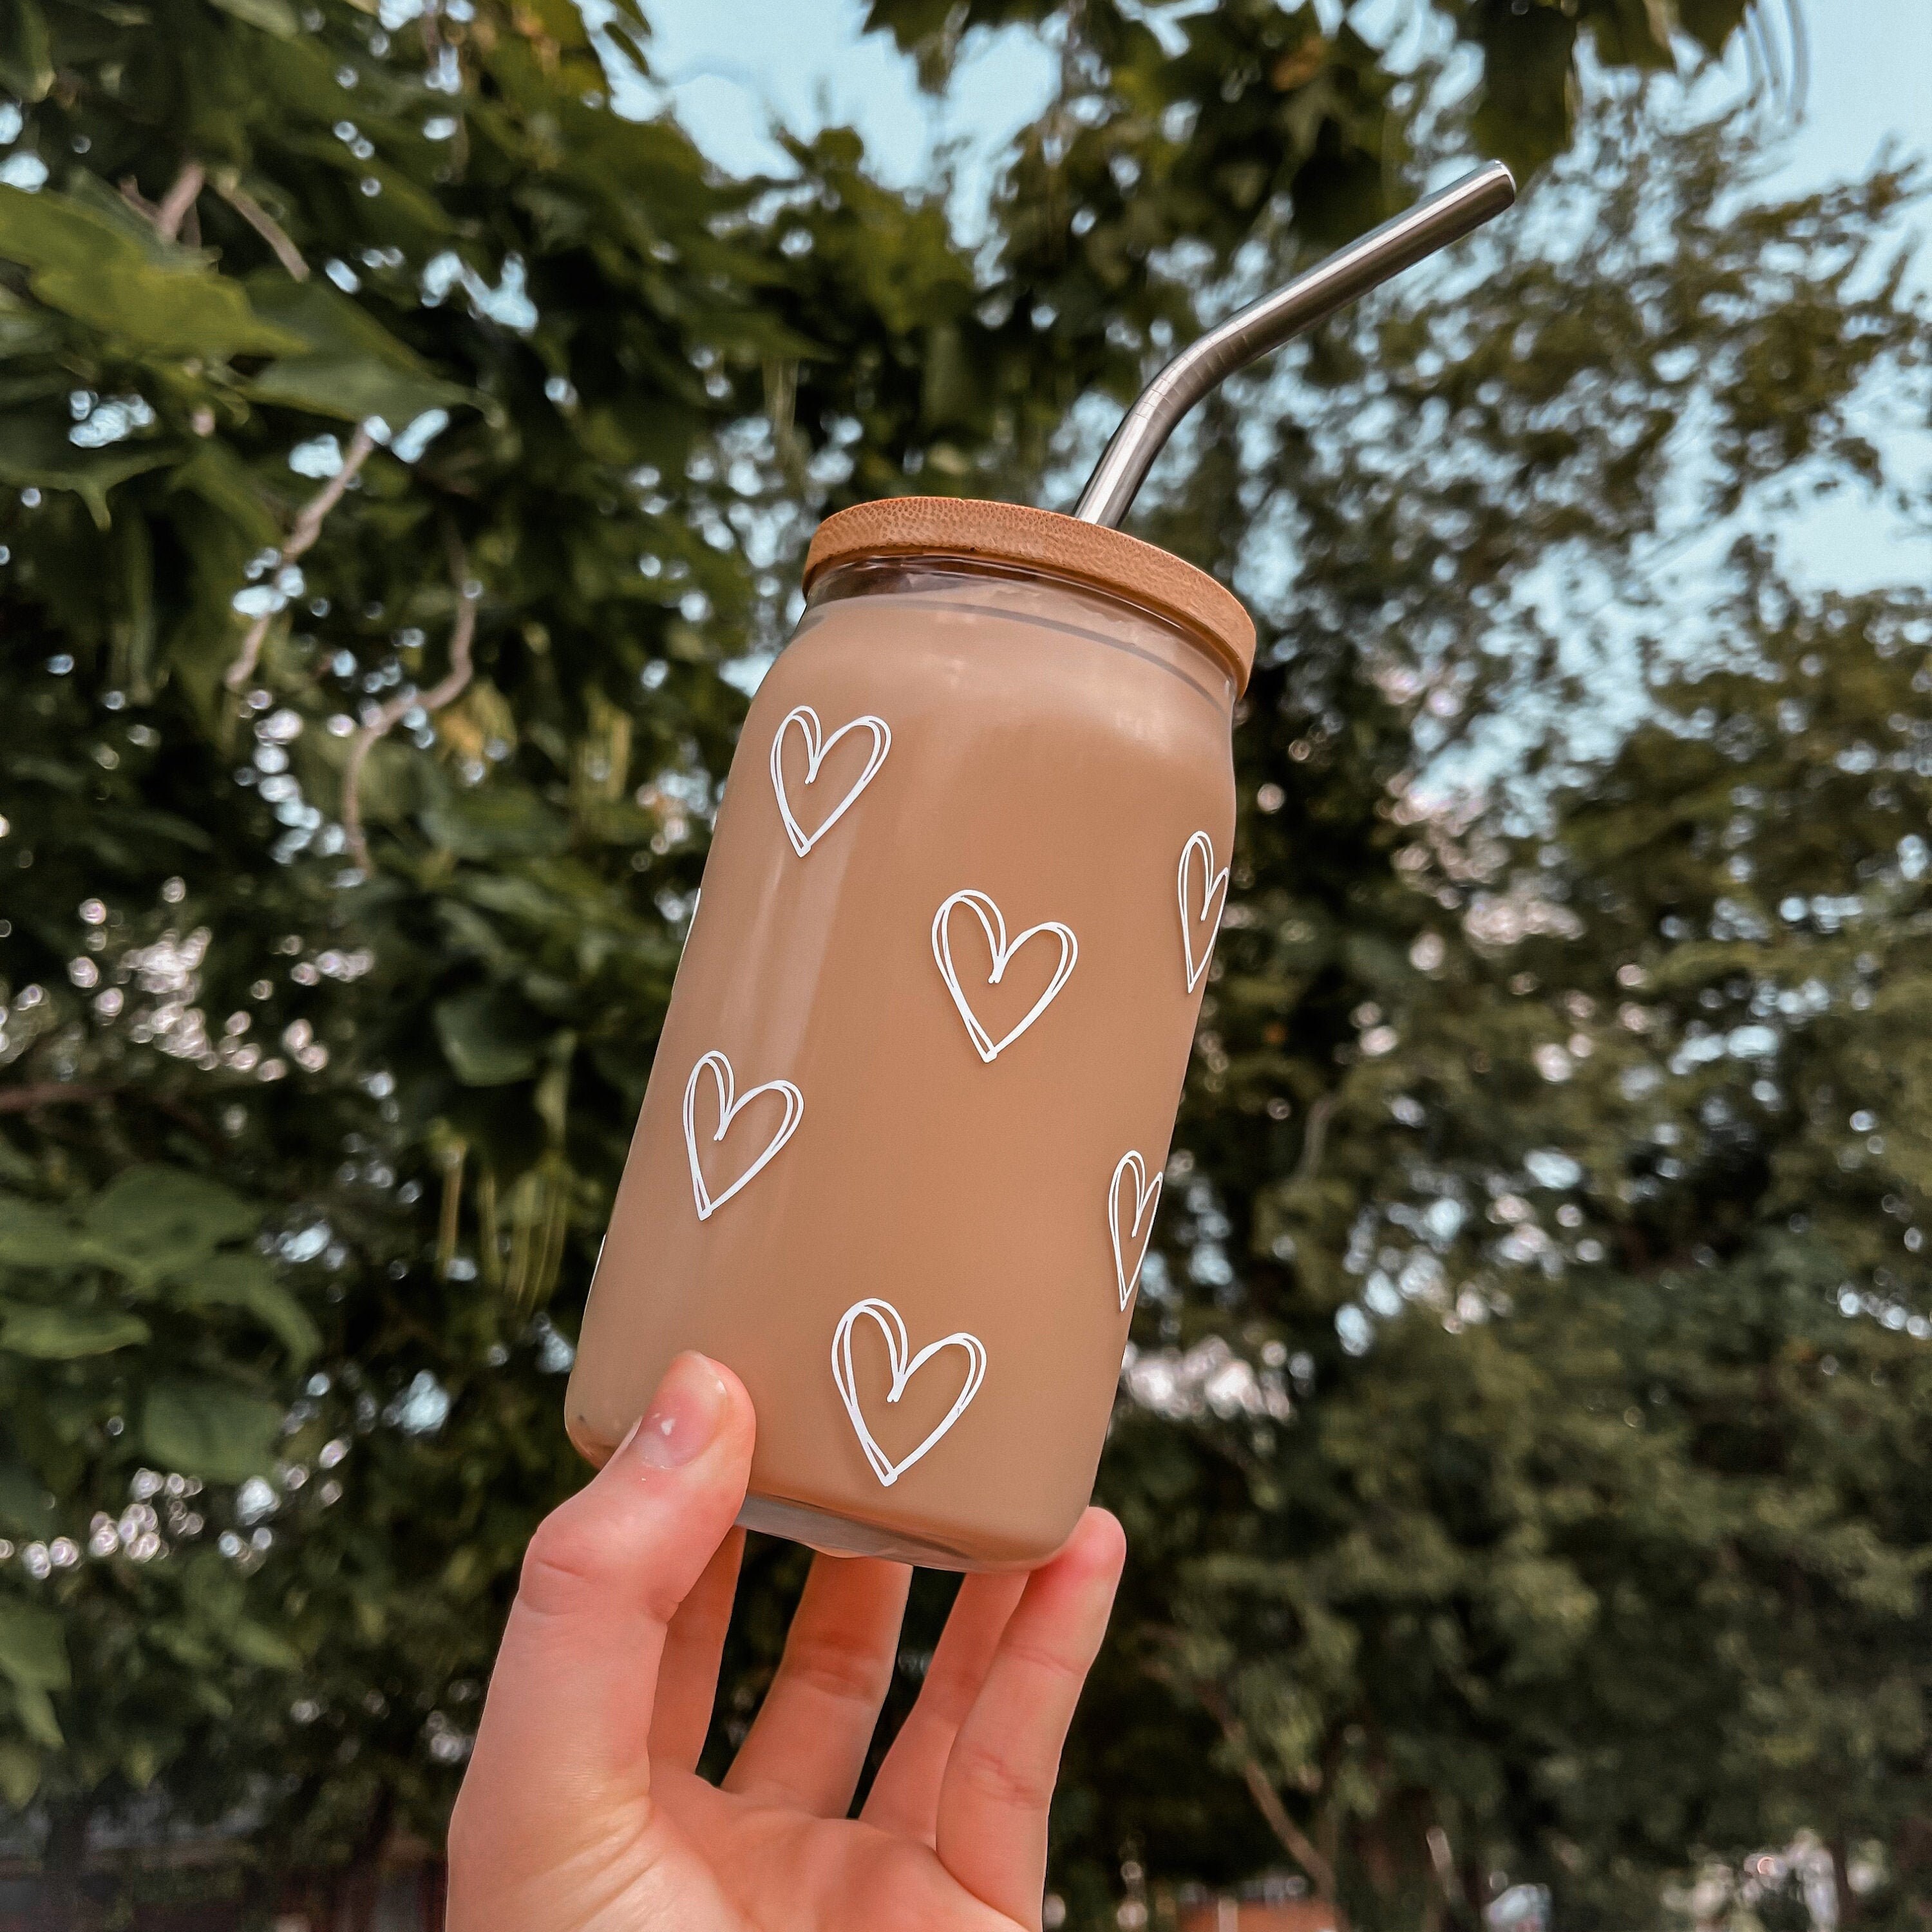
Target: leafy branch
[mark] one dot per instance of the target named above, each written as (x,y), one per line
(462,637)
(169,213)
(307,528)
(1299,1846)
(264,224)
(171,210)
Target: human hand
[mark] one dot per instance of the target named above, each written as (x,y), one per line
(582,1809)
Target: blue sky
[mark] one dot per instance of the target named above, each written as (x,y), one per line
(733,69)
(735,66)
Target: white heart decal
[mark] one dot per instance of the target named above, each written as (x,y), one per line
(995,926)
(904,1366)
(816,750)
(1146,1194)
(1214,902)
(728,1109)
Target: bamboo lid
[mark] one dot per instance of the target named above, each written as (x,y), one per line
(1012,533)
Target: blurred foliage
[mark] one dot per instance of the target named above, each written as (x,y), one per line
(406,460)
(1230,104)
(1541,1141)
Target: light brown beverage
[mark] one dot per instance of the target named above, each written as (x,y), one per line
(903,1143)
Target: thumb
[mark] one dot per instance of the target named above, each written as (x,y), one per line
(566,1725)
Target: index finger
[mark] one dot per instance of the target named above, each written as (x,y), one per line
(567,1720)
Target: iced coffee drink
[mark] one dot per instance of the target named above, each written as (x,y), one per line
(903,1146)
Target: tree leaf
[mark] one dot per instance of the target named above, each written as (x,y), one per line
(35,1237)
(353,388)
(153,1220)
(487,1037)
(35,1710)
(255,1643)
(67,1334)
(211,1430)
(83,261)
(19,1773)
(224,482)
(141,1759)
(247,1281)
(35,453)
(25,330)
(26,1507)
(26,53)
(116,13)
(213,1589)
(1711,23)
(91,196)
(1526,113)
(273,16)
(159,314)
(33,1646)
(346,364)
(497,821)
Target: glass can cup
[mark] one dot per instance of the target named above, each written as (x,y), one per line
(906,1129)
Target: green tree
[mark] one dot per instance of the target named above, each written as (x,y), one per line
(1517,1157)
(385,429)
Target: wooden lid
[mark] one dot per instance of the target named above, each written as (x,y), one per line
(1012,533)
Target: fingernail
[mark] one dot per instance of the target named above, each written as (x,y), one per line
(684,1415)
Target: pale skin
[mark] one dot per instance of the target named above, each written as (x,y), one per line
(582,1809)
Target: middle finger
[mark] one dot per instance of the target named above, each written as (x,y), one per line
(807,1744)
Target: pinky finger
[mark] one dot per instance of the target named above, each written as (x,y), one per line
(992,1828)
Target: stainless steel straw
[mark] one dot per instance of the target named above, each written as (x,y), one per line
(1247,336)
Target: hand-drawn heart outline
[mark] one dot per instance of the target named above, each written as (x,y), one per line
(728,1109)
(816,751)
(1147,1201)
(993,923)
(1214,885)
(897,1348)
